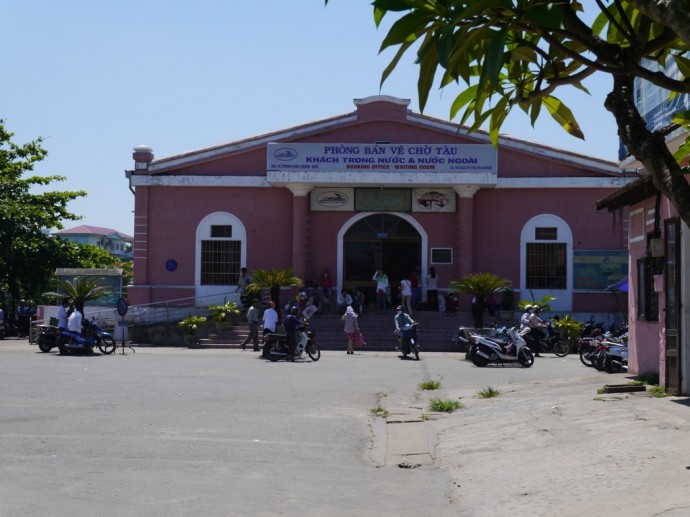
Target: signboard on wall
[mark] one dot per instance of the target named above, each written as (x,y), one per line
(318,157)
(595,270)
(433,200)
(332,200)
(441,255)
(384,200)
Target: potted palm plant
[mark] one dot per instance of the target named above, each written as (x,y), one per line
(225,315)
(190,327)
(480,286)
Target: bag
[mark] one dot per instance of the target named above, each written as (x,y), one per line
(358,340)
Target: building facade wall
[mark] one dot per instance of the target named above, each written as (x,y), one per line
(175,195)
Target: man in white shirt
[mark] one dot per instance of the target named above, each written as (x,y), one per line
(74,321)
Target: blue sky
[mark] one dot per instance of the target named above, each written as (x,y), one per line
(96,79)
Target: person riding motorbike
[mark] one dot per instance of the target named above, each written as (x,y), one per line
(292,325)
(534,322)
(401,319)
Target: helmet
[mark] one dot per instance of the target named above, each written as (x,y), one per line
(399,308)
(528,307)
(294,310)
(537,308)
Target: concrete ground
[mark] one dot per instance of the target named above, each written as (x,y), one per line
(172,431)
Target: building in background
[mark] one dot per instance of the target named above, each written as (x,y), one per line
(380,187)
(659,250)
(116,243)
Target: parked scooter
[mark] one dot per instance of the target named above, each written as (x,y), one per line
(490,351)
(277,346)
(91,336)
(407,340)
(615,357)
(47,337)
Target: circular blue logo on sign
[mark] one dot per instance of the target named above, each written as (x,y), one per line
(171,265)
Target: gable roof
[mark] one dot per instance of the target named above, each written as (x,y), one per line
(390,108)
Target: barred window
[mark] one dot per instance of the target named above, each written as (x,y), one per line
(647,298)
(220,262)
(546,265)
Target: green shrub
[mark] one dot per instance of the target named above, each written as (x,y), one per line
(488,392)
(444,405)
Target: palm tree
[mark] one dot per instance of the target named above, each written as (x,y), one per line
(480,285)
(273,279)
(80,290)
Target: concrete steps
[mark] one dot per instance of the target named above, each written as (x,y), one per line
(435,331)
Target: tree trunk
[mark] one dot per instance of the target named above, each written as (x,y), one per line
(650,148)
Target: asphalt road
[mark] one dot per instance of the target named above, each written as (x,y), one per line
(178,432)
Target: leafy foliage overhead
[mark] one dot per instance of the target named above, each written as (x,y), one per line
(506,54)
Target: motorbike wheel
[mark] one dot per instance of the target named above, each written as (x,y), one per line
(43,345)
(273,354)
(415,350)
(598,363)
(479,360)
(526,358)
(313,351)
(107,345)
(585,358)
(561,348)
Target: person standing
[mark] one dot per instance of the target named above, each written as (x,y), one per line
(416,288)
(432,289)
(270,319)
(382,286)
(63,313)
(242,285)
(351,328)
(74,321)
(2,323)
(406,295)
(253,319)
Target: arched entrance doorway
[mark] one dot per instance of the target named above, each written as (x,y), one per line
(381,240)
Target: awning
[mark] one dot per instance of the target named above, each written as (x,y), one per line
(621,285)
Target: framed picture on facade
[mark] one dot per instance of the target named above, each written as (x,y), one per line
(441,255)
(433,200)
(332,200)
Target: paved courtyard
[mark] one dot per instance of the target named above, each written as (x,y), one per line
(178,432)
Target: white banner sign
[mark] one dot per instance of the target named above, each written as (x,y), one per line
(313,157)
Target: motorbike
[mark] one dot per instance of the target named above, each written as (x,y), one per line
(587,349)
(553,342)
(91,336)
(615,357)
(47,337)
(492,351)
(407,340)
(277,346)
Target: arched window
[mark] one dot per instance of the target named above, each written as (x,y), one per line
(221,250)
(546,245)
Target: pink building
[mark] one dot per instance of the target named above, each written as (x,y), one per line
(380,187)
(658,288)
